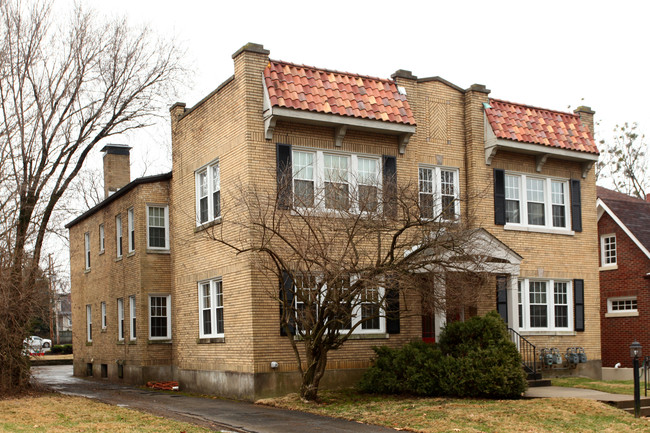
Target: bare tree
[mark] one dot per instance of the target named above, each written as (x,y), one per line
(624,161)
(64,87)
(345,256)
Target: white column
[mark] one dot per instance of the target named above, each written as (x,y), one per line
(513,303)
(440,316)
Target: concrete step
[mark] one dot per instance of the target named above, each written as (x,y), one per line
(626,404)
(645,410)
(533,383)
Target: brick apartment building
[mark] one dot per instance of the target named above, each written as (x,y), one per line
(624,240)
(144,272)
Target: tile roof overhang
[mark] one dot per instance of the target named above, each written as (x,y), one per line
(631,214)
(537,131)
(338,99)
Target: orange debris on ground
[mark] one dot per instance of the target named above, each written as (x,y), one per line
(165,386)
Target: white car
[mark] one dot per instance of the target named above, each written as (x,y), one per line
(37,344)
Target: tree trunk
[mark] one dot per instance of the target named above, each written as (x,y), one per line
(316,361)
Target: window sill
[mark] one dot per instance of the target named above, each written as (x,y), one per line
(622,314)
(207,225)
(103,331)
(539,229)
(132,341)
(117,259)
(131,254)
(87,271)
(210,340)
(89,343)
(156,251)
(548,333)
(168,341)
(101,253)
(608,268)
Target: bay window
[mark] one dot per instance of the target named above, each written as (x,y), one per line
(160,324)
(158,227)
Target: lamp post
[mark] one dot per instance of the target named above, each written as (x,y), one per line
(635,353)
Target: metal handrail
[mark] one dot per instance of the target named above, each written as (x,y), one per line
(527,350)
(646,366)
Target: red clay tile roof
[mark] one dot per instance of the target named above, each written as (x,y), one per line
(633,212)
(323,91)
(539,126)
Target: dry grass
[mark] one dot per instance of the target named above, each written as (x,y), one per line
(53,413)
(612,386)
(456,415)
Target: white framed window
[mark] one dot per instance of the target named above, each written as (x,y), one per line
(118,235)
(365,309)
(102,240)
(120,319)
(535,201)
(158,227)
(131,226)
(627,304)
(103,308)
(89,324)
(211,309)
(545,305)
(336,181)
(160,324)
(132,318)
(208,193)
(87,249)
(608,250)
(439,192)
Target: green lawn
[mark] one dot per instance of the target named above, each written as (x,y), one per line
(611,386)
(469,415)
(54,413)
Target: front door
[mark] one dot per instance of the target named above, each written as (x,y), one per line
(429,328)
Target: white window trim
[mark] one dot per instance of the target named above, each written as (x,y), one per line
(550,304)
(130,216)
(166,208)
(118,236)
(89,323)
(132,318)
(102,239)
(621,313)
(103,308)
(169,316)
(87,250)
(120,319)
(437,187)
(356,313)
(548,206)
(603,265)
(213,304)
(207,169)
(353,175)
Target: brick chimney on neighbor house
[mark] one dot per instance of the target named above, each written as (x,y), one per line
(117,167)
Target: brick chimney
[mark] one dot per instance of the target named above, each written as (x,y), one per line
(586,117)
(117,167)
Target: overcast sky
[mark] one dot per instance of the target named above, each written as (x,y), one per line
(550,54)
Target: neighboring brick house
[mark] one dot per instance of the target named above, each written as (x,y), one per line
(624,240)
(528,171)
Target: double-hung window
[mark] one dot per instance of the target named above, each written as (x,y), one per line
(132,317)
(118,234)
(87,250)
(208,193)
(160,324)
(102,241)
(533,201)
(608,250)
(131,226)
(545,305)
(120,319)
(439,188)
(158,227)
(211,309)
(103,307)
(89,324)
(336,181)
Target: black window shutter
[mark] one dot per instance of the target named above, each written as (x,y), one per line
(579,297)
(286,303)
(576,207)
(499,197)
(392,311)
(390,186)
(284,175)
(502,297)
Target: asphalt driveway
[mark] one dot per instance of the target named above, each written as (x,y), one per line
(218,414)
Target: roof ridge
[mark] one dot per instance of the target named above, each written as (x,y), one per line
(334,71)
(535,108)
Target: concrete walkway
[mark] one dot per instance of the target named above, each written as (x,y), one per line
(562,392)
(217,414)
